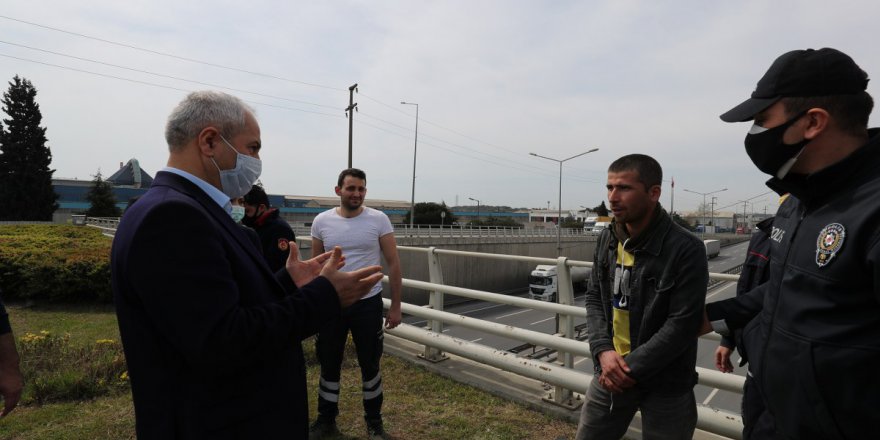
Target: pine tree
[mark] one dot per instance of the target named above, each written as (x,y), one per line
(25,178)
(102,199)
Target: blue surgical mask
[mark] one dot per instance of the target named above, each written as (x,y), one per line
(237,213)
(238,181)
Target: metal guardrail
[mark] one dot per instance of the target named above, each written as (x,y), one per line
(561,374)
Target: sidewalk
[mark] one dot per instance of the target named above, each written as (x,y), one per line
(528,392)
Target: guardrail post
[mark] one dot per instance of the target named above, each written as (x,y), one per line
(435,300)
(565,326)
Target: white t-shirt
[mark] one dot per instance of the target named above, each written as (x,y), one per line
(357,236)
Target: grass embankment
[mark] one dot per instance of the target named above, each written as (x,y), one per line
(418,404)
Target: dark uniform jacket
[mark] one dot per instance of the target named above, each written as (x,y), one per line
(815,346)
(275,237)
(755,271)
(668,288)
(211,335)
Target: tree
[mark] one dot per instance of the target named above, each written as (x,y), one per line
(102,199)
(428,213)
(682,222)
(601,210)
(25,178)
(571,222)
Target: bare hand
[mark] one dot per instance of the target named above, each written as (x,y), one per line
(303,272)
(393,318)
(350,286)
(11,381)
(722,359)
(615,372)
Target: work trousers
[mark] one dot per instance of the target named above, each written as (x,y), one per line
(364,320)
(606,416)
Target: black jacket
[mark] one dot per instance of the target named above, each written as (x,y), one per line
(211,336)
(755,271)
(668,286)
(275,237)
(816,344)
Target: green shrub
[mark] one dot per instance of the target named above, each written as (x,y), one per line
(54,262)
(55,370)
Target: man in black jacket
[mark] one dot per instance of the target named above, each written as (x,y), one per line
(644,305)
(212,337)
(275,234)
(757,423)
(814,347)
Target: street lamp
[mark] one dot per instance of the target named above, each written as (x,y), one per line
(478,207)
(412,202)
(704,205)
(559,213)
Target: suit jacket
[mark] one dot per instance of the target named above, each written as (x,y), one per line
(210,334)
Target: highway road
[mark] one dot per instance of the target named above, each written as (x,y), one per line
(729,257)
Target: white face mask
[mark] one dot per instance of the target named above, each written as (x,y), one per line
(238,181)
(237,213)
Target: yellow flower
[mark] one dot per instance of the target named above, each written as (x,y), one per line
(124,375)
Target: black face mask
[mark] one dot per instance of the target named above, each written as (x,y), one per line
(769,153)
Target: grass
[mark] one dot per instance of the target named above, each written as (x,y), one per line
(418,404)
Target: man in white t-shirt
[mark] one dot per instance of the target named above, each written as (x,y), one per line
(365,236)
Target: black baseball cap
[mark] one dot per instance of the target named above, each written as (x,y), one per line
(807,72)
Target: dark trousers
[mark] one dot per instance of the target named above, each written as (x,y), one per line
(364,320)
(606,416)
(757,422)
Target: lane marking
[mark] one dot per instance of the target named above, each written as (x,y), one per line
(543,320)
(710,396)
(476,340)
(514,313)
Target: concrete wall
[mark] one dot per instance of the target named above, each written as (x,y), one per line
(491,275)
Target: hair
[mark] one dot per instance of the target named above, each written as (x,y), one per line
(647,167)
(257,196)
(353,172)
(850,112)
(202,109)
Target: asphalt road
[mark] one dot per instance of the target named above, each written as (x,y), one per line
(729,257)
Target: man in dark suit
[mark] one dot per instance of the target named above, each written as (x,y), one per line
(211,335)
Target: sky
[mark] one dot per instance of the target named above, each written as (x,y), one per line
(494,80)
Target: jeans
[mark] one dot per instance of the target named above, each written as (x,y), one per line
(607,416)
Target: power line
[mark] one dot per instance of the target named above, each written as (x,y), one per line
(105,75)
(169,55)
(161,75)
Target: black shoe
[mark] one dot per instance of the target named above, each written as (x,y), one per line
(322,429)
(375,431)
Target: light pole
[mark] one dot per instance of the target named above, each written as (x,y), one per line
(412,202)
(559,213)
(478,207)
(704,205)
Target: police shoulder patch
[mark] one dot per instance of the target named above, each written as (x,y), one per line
(283,244)
(828,244)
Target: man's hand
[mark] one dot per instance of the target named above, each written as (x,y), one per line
(393,318)
(303,272)
(722,359)
(615,372)
(350,286)
(11,381)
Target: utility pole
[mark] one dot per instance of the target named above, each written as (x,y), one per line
(714,227)
(348,114)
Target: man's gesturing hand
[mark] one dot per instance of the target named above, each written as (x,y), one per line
(350,286)
(303,272)
(615,377)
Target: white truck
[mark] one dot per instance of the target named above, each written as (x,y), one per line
(713,248)
(544,284)
(596,224)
